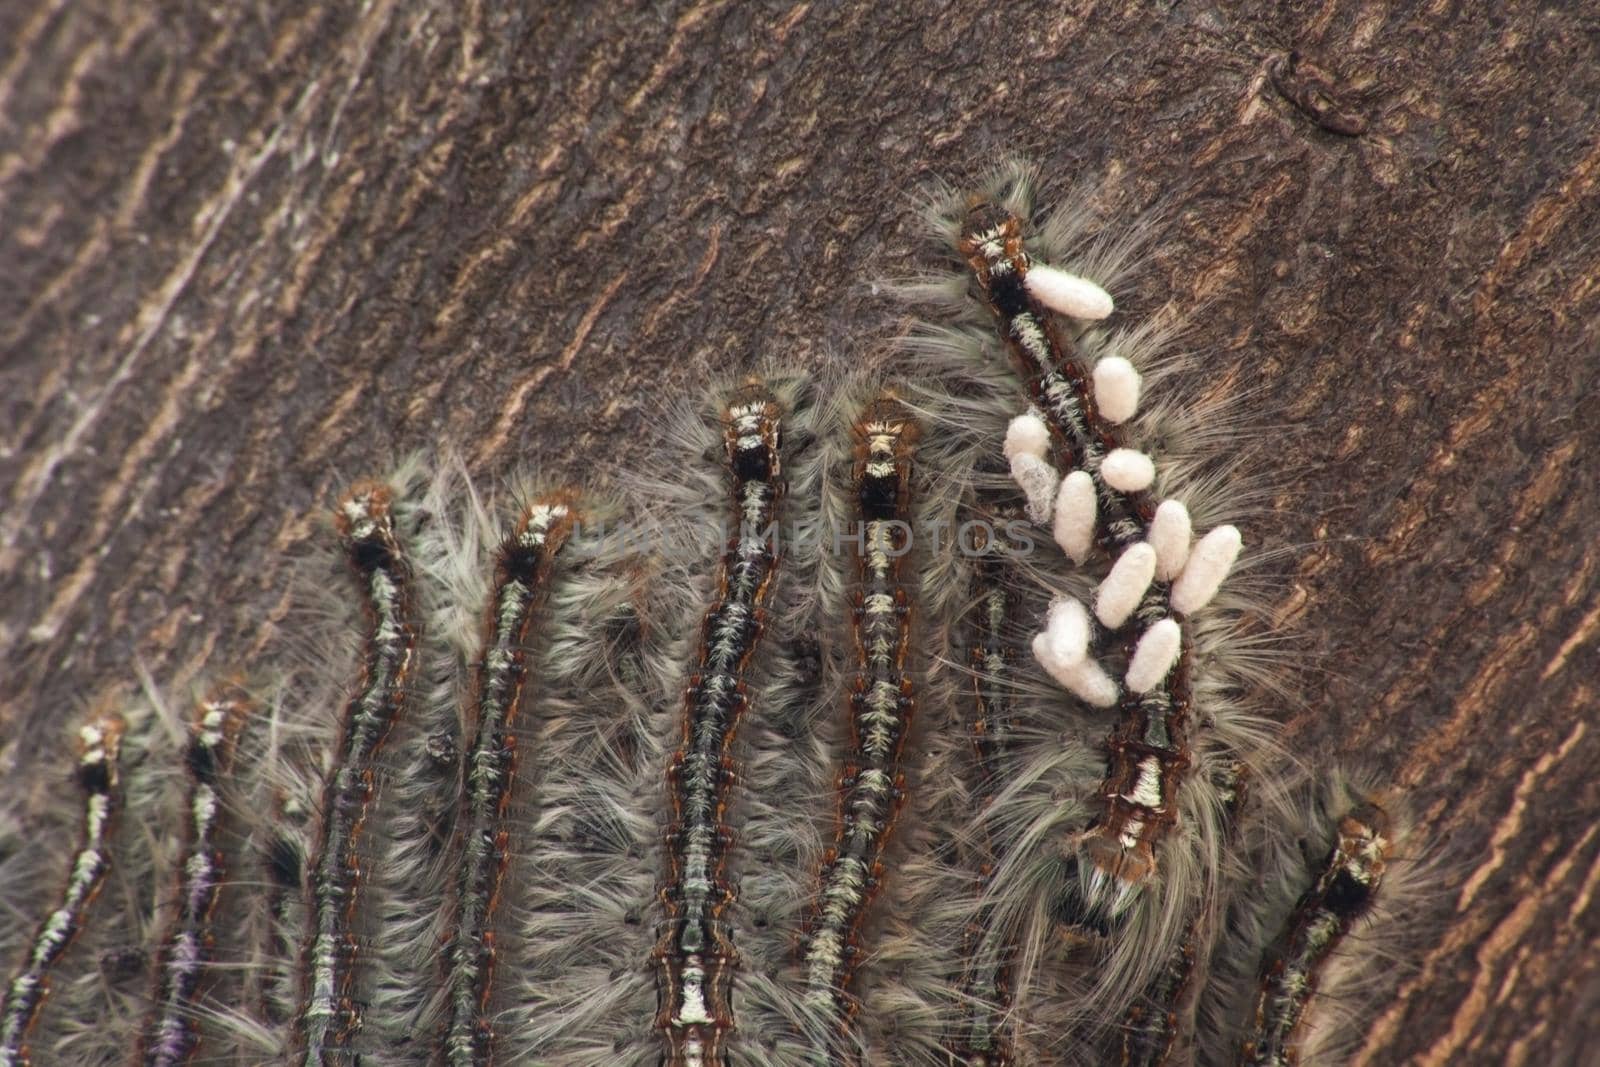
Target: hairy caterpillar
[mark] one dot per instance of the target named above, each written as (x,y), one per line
(579,806)
(97,772)
(1347,881)
(1120,871)
(881,702)
(1317,930)
(522,574)
(171,1034)
(329,1017)
(696,954)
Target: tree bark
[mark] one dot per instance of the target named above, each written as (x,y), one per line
(249,251)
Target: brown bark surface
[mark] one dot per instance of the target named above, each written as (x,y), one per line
(248,251)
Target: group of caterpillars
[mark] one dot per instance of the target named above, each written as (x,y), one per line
(918,730)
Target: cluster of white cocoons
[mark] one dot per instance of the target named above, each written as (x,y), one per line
(1070,504)
(1196,572)
(1169,553)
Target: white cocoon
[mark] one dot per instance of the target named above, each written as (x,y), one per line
(1124,586)
(1127,470)
(1055,663)
(1038,480)
(1067,293)
(1116,388)
(1089,682)
(1027,435)
(1067,627)
(1170,534)
(1154,656)
(1075,513)
(1083,678)
(1209,563)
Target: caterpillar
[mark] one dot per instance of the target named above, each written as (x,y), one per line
(1325,937)
(522,574)
(1346,882)
(329,1016)
(881,703)
(696,954)
(170,1035)
(889,717)
(97,772)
